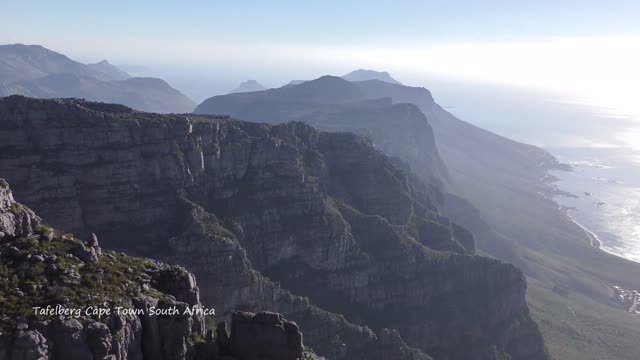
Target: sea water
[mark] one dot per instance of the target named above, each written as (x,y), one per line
(602,144)
(607,188)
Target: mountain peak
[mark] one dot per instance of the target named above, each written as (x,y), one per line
(363,75)
(107,71)
(248,86)
(328,88)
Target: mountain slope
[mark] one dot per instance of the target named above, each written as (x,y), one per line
(108,71)
(241,204)
(46,273)
(28,62)
(35,71)
(505,180)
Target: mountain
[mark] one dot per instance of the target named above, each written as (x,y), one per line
(497,188)
(58,271)
(318,226)
(362,75)
(105,70)
(248,86)
(35,71)
(296,82)
(28,62)
(326,102)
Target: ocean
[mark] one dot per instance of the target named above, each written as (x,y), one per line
(601,143)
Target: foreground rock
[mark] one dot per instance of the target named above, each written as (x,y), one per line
(353,240)
(45,268)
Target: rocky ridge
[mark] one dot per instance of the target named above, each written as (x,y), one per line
(242,205)
(33,70)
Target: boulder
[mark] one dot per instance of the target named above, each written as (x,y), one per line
(265,336)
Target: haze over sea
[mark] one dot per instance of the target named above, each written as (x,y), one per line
(601,140)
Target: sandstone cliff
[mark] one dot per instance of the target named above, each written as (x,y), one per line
(42,268)
(242,205)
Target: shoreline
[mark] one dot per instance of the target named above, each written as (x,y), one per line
(553,191)
(593,237)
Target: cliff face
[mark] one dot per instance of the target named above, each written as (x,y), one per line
(333,104)
(52,286)
(325,215)
(393,117)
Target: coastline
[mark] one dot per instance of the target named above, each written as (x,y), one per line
(593,237)
(553,190)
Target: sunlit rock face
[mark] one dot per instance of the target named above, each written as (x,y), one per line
(241,205)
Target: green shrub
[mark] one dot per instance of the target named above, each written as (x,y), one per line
(196,338)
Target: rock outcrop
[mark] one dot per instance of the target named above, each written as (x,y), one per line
(265,336)
(52,285)
(263,215)
(158,298)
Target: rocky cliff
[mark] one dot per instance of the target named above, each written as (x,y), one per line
(391,116)
(64,298)
(262,212)
(331,103)
(44,272)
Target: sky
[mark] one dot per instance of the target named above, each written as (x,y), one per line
(584,47)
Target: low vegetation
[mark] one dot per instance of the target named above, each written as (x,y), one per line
(41,270)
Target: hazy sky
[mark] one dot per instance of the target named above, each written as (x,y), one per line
(583,46)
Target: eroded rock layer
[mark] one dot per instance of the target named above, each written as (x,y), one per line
(242,205)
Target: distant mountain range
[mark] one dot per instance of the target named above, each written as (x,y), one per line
(248,86)
(359,75)
(35,71)
(363,75)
